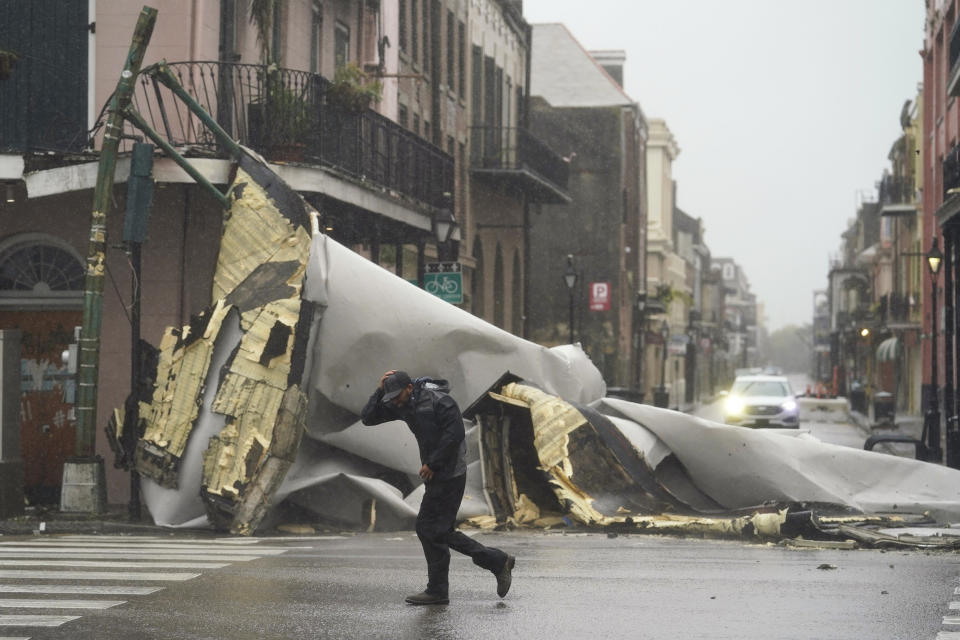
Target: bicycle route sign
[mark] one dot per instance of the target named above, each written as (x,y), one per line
(444,280)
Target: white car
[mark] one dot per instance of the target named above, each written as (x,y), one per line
(761,401)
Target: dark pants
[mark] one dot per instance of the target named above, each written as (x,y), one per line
(435,522)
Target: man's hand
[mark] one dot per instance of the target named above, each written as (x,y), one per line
(426,473)
(385,376)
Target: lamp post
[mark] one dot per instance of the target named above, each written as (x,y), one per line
(444,224)
(570,278)
(932,425)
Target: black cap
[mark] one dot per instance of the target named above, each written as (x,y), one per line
(394,384)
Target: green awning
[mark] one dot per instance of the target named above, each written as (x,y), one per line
(887,351)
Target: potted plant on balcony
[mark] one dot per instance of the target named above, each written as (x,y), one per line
(289,120)
(353,89)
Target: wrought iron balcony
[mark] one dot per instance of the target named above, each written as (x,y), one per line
(295,116)
(951,171)
(953,60)
(897,196)
(895,309)
(515,157)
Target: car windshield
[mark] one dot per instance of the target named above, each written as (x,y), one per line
(759,388)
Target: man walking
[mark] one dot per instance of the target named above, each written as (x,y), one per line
(434,418)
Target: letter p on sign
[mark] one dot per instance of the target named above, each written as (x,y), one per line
(599,296)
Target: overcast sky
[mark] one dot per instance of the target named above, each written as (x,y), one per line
(784,112)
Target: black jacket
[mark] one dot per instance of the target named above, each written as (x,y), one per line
(436,423)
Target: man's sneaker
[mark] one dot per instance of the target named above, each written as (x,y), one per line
(427,598)
(505,576)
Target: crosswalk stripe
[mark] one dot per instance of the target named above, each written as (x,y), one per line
(79,589)
(108,564)
(21,603)
(98,538)
(12,638)
(34,574)
(121,555)
(232,553)
(948,635)
(954,605)
(951,619)
(35,621)
(157,546)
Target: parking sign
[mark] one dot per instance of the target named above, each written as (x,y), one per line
(599,296)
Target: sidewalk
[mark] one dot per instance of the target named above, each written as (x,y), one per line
(903,424)
(115,520)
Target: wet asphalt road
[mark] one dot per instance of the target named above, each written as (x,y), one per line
(565,586)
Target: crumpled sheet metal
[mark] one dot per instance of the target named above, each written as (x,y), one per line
(739,467)
(251,405)
(373,321)
(595,474)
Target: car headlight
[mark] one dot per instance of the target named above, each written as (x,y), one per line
(789,405)
(734,405)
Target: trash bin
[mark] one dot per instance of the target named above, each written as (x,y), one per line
(883,407)
(661,398)
(858,399)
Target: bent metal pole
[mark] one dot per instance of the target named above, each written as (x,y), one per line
(89,360)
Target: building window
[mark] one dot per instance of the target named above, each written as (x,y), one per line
(451,49)
(316,36)
(416,123)
(415,30)
(277,32)
(341,45)
(476,86)
(451,146)
(37,267)
(403,118)
(403,25)
(462,61)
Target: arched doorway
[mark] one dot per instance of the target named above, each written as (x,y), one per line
(41,294)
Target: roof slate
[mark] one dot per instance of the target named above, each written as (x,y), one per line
(565,75)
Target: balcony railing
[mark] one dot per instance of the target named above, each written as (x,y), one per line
(518,154)
(896,190)
(895,309)
(951,171)
(953,57)
(293,115)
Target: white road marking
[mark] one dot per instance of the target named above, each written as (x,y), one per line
(157,547)
(33,574)
(951,619)
(79,589)
(12,638)
(20,603)
(35,621)
(108,564)
(119,555)
(948,635)
(95,538)
(954,605)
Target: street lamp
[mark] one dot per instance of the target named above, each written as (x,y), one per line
(932,425)
(570,278)
(444,224)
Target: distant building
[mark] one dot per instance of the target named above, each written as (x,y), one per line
(581,110)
